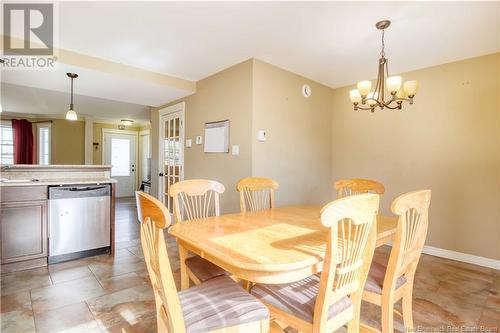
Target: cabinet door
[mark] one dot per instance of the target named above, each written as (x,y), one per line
(23,229)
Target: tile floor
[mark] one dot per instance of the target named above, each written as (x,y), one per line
(113,294)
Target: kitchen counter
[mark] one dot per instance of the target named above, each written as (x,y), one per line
(53,167)
(48,175)
(27,209)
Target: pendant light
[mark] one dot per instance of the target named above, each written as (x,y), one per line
(71,114)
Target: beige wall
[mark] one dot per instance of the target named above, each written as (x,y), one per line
(68,142)
(297,152)
(225,95)
(447,141)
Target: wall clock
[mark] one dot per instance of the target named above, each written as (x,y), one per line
(306,90)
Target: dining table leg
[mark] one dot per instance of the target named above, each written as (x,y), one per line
(183,254)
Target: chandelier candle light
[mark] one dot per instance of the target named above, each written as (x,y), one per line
(399,91)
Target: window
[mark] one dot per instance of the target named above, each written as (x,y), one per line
(6,143)
(120,157)
(43,143)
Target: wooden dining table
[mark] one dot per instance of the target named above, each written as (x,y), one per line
(278,245)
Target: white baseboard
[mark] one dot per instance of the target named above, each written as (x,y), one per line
(464,257)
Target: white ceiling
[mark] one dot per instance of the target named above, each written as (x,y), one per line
(335,43)
(54,104)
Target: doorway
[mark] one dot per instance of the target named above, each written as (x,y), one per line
(120,151)
(145,159)
(171,151)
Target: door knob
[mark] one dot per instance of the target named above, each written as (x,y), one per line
(160,174)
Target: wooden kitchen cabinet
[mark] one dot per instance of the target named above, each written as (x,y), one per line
(23,230)
(23,227)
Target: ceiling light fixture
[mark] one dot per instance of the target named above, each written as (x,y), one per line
(399,91)
(127,122)
(71,114)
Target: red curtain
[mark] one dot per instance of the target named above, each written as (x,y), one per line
(23,141)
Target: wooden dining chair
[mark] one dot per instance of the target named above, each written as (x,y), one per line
(327,302)
(347,187)
(256,193)
(387,284)
(218,305)
(197,199)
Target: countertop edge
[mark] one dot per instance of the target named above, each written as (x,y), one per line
(51,182)
(53,167)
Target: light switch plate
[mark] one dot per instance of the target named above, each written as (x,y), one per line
(261,135)
(199,140)
(235,150)
(189,143)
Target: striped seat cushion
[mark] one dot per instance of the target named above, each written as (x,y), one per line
(219,303)
(203,269)
(376,276)
(297,298)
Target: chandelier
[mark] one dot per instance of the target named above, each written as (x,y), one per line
(399,91)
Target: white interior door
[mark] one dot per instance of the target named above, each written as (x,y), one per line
(145,153)
(171,155)
(120,152)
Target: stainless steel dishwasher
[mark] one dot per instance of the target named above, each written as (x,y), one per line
(79,221)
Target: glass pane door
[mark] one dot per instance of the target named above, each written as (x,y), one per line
(172,154)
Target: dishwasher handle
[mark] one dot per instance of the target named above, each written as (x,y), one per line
(87,188)
(85,191)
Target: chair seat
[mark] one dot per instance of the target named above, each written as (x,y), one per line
(203,269)
(298,298)
(376,276)
(217,304)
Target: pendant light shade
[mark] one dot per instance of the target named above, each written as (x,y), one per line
(71,114)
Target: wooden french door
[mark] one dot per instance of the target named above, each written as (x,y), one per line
(171,157)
